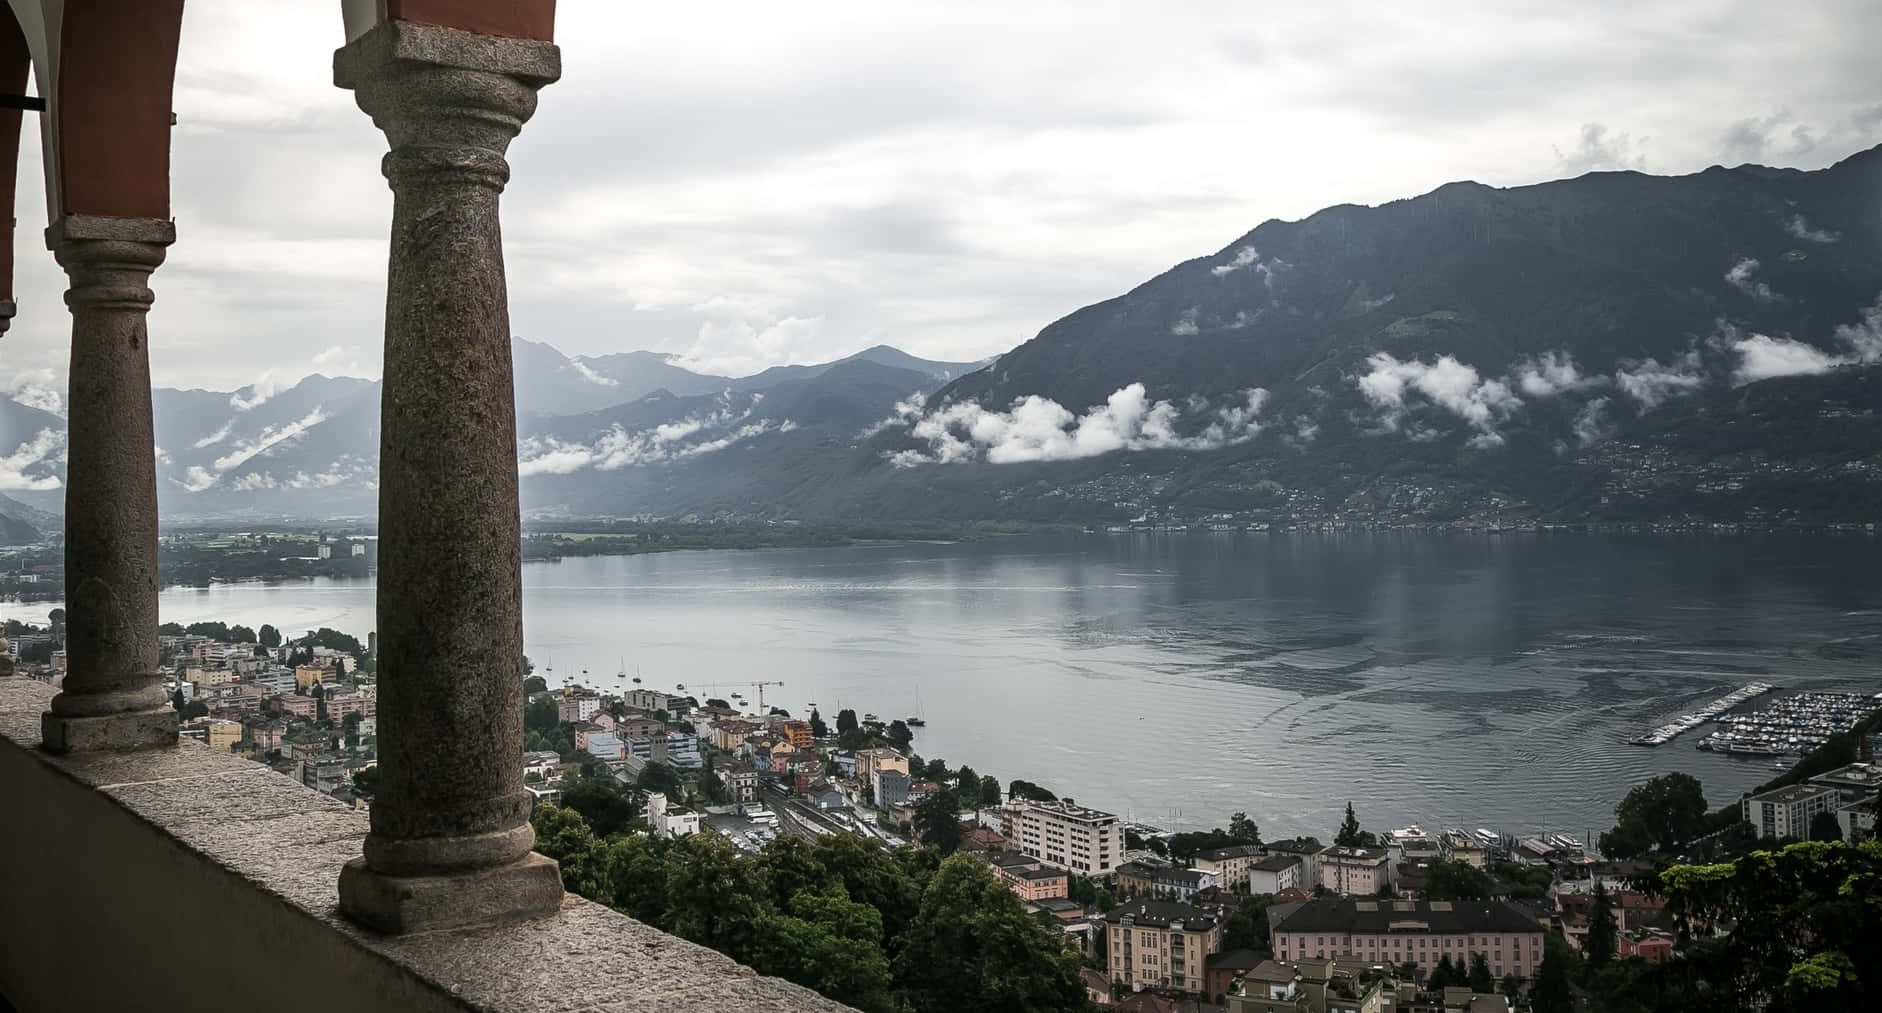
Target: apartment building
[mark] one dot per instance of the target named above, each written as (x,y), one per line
(868,761)
(574,707)
(1069,836)
(1416,932)
(1166,882)
(1028,878)
(1276,873)
(798,732)
(1353,871)
(1161,944)
(1458,846)
(1230,864)
(1787,812)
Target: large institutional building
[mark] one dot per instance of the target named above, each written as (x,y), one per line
(1068,836)
(1415,932)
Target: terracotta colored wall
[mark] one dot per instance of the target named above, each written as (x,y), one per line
(515,19)
(117,64)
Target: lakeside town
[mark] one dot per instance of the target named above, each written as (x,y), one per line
(1411,919)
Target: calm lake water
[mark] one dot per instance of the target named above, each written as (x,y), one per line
(1441,679)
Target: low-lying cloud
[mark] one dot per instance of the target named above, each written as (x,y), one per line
(46,446)
(619,448)
(1037,428)
(257,394)
(1744,277)
(1762,357)
(198,478)
(1394,387)
(1651,383)
(37,388)
(1800,228)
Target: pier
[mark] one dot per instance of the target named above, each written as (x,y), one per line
(1687,722)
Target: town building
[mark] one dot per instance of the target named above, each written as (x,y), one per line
(1069,836)
(741,781)
(649,700)
(1354,871)
(1787,811)
(868,761)
(573,707)
(216,733)
(1307,849)
(1222,970)
(1165,882)
(1458,846)
(1416,932)
(1275,873)
(1313,986)
(890,787)
(305,676)
(1030,879)
(1230,864)
(798,732)
(670,822)
(1161,944)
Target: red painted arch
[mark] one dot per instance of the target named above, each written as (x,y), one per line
(117,66)
(515,19)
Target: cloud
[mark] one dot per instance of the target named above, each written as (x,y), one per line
(1185,325)
(216,437)
(40,449)
(1552,373)
(1040,429)
(38,388)
(591,376)
(1590,424)
(1394,387)
(1598,151)
(1762,356)
(1743,277)
(197,478)
(1800,228)
(1248,259)
(1651,384)
(618,448)
(257,394)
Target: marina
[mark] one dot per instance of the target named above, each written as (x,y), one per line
(1791,725)
(1687,722)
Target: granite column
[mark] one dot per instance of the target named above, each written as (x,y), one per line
(450,841)
(112,696)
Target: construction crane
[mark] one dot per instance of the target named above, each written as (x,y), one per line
(760,686)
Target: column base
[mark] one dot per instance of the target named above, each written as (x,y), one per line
(146,729)
(530,887)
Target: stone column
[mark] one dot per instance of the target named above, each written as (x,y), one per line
(112,697)
(450,841)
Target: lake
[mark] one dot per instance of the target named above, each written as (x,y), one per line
(1443,679)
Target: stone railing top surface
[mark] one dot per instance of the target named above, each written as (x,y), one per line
(289,842)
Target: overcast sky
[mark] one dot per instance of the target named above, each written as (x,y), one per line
(752,184)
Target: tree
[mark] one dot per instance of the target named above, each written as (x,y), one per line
(846,721)
(1803,927)
(817,728)
(163,629)
(194,709)
(714,896)
(562,834)
(1824,827)
(606,811)
(1243,829)
(973,947)
(938,821)
(1408,971)
(239,634)
(349,729)
(935,770)
(712,787)
(824,940)
(534,684)
(1444,975)
(1552,992)
(319,694)
(1030,791)
(1603,930)
(1478,978)
(1458,881)
(366,781)
(268,637)
(989,791)
(1512,988)
(659,777)
(968,781)
(1661,815)
(1247,926)
(899,734)
(176,697)
(540,715)
(1350,836)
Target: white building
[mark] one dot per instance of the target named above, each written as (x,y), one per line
(1787,812)
(670,822)
(1274,874)
(1064,835)
(1353,871)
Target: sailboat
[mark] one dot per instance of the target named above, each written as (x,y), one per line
(915,720)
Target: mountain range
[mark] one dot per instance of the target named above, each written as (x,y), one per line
(1615,346)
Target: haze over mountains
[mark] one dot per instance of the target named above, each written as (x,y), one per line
(1613,346)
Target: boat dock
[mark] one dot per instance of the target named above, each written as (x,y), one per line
(1790,726)
(1687,722)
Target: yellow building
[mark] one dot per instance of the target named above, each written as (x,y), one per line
(1161,944)
(209,676)
(218,734)
(306,675)
(868,761)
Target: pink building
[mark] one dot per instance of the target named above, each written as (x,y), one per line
(1416,932)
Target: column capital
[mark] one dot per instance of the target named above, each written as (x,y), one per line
(109,260)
